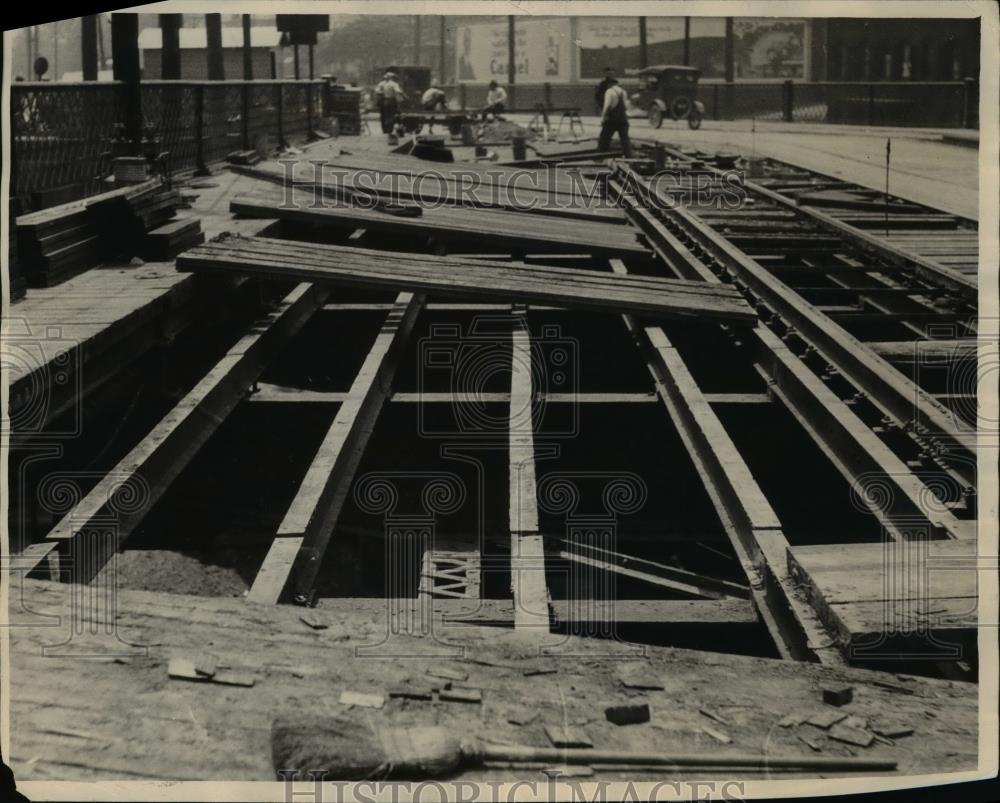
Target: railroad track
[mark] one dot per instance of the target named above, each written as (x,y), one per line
(891,335)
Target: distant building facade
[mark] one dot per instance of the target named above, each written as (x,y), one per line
(194,52)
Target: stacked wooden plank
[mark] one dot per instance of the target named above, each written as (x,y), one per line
(172,238)
(56,244)
(344,105)
(471,278)
(485,228)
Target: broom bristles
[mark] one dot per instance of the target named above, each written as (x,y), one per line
(306,746)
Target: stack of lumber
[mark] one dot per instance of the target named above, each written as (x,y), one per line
(344,105)
(15,276)
(167,241)
(250,157)
(482,228)
(471,278)
(56,244)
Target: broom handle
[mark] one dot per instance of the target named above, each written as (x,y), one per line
(515,753)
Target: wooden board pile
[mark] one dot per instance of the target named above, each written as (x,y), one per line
(598,291)
(58,243)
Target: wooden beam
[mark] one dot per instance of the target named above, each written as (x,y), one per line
(296,554)
(453,276)
(710,584)
(247,49)
(675,586)
(700,612)
(751,524)
(900,497)
(149,468)
(170,49)
(88,46)
(527,552)
(267,392)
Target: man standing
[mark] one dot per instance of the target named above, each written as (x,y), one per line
(388,94)
(614,119)
(496,101)
(609,76)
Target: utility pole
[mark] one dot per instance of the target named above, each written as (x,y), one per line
(213,33)
(247,50)
(643,50)
(441,54)
(88,47)
(511,58)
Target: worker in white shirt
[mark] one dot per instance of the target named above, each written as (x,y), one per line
(434,100)
(614,119)
(388,94)
(496,101)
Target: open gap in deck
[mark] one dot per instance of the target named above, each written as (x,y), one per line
(812,499)
(210,531)
(608,451)
(455,351)
(328,352)
(584,352)
(413,446)
(720,362)
(108,422)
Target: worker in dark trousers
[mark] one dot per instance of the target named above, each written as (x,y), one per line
(388,93)
(609,76)
(614,119)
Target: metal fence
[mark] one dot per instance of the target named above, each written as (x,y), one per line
(65,134)
(944,104)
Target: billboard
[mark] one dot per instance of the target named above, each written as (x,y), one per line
(542,51)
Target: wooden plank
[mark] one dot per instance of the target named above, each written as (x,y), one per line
(477,279)
(432,192)
(527,551)
(727,611)
(486,227)
(297,551)
(146,472)
(675,586)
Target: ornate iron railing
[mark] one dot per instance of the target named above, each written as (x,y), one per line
(65,134)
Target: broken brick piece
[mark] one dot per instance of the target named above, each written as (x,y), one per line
(838,695)
(824,719)
(567,737)
(851,735)
(627,713)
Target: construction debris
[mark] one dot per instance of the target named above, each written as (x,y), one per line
(564,736)
(460,694)
(824,719)
(838,695)
(719,736)
(632,713)
(851,735)
(362,699)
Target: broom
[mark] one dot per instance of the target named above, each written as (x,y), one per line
(342,749)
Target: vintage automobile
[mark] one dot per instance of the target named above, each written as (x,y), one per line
(669,91)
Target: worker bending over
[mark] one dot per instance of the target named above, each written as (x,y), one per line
(388,94)
(434,100)
(496,101)
(614,118)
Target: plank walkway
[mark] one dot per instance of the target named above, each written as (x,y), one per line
(439,185)
(485,228)
(877,595)
(106,709)
(593,290)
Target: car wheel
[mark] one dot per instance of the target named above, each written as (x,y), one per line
(655,116)
(694,121)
